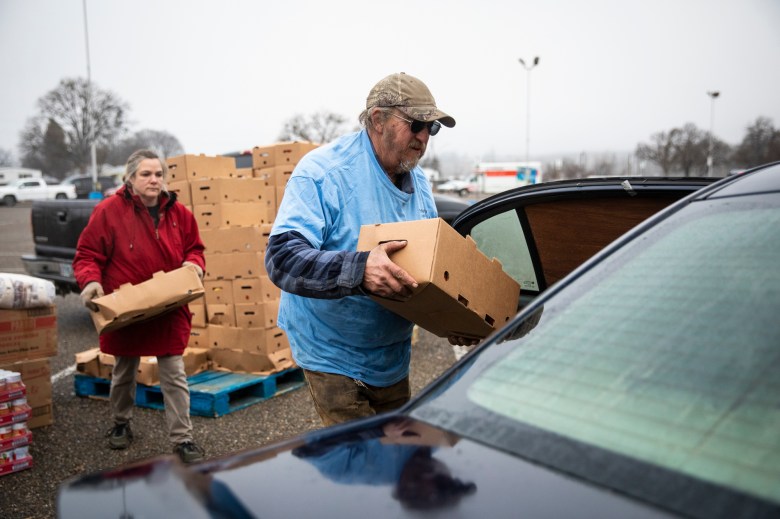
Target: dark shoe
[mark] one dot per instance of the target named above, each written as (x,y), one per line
(188,452)
(120,436)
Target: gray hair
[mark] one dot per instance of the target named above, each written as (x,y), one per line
(135,160)
(368,113)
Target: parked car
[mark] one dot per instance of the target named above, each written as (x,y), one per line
(84,184)
(28,189)
(461,187)
(56,227)
(643,383)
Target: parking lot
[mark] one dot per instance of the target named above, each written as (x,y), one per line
(76,442)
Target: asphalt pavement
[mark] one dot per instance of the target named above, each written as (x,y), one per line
(76,443)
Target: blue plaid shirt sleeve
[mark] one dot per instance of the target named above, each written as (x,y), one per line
(298,268)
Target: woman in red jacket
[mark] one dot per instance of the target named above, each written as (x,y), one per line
(141,230)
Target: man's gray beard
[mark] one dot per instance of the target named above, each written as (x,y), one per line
(406,166)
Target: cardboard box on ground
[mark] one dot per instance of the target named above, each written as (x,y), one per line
(461,291)
(96,364)
(235,324)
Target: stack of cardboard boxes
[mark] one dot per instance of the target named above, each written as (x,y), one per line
(235,210)
(28,337)
(275,163)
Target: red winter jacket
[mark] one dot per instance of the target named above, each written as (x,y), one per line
(120,245)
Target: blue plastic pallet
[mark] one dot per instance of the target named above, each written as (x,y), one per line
(212,393)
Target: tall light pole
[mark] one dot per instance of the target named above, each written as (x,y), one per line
(713,95)
(528,69)
(93,152)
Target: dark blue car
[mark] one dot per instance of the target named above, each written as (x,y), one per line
(643,382)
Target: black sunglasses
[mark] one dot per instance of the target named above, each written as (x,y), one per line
(417,126)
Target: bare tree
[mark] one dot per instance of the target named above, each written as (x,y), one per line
(660,151)
(6,158)
(45,148)
(85,113)
(320,127)
(56,158)
(604,166)
(162,142)
(690,149)
(570,170)
(31,143)
(760,145)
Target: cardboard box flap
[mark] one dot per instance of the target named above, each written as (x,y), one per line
(281,359)
(86,356)
(434,310)
(256,363)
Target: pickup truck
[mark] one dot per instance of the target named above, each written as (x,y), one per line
(56,227)
(34,189)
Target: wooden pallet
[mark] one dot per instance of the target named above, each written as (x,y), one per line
(212,393)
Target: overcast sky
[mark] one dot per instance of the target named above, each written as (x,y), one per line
(225,75)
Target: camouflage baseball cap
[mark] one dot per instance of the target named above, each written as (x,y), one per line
(410,95)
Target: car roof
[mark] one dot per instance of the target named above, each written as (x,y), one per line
(764,180)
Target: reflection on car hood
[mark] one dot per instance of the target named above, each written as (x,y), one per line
(355,471)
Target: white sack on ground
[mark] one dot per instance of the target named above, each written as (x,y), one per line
(20,291)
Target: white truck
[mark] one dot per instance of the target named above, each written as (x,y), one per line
(34,189)
(496,177)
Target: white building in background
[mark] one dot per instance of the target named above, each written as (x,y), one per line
(8,175)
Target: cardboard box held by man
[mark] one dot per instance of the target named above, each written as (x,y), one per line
(461,291)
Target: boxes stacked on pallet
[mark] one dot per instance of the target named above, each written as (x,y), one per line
(235,211)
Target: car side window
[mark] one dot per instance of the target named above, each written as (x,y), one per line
(502,237)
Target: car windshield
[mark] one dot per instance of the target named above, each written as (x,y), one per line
(666,357)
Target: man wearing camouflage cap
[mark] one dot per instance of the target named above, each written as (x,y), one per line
(355,354)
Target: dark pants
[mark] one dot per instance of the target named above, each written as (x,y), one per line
(339,399)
